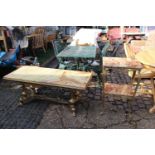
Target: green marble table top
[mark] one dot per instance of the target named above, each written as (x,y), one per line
(78,52)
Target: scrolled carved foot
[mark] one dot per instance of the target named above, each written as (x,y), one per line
(20,103)
(36,90)
(23,93)
(73,100)
(75,97)
(152,110)
(22,100)
(72,107)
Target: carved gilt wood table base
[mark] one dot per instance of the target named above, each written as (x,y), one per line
(30,92)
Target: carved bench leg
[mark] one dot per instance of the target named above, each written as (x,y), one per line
(74,98)
(73,109)
(28,92)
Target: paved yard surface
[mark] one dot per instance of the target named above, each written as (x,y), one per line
(115,113)
(13,116)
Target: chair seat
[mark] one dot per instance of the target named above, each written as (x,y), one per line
(95,63)
(62,66)
(145,73)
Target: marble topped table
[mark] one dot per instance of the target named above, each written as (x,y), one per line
(32,77)
(78,52)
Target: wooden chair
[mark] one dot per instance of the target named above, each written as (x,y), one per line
(146,72)
(128,51)
(138,42)
(105,49)
(38,39)
(110,49)
(149,41)
(58,47)
(49,38)
(3,38)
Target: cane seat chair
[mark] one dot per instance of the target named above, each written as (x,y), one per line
(38,39)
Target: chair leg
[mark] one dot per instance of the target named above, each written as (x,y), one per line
(133,76)
(34,53)
(45,43)
(152,110)
(103,75)
(44,49)
(130,106)
(138,81)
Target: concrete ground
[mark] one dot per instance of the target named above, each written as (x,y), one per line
(114,113)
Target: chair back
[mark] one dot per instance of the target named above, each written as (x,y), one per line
(3,38)
(38,39)
(105,49)
(116,46)
(138,42)
(39,30)
(150,39)
(57,46)
(128,51)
